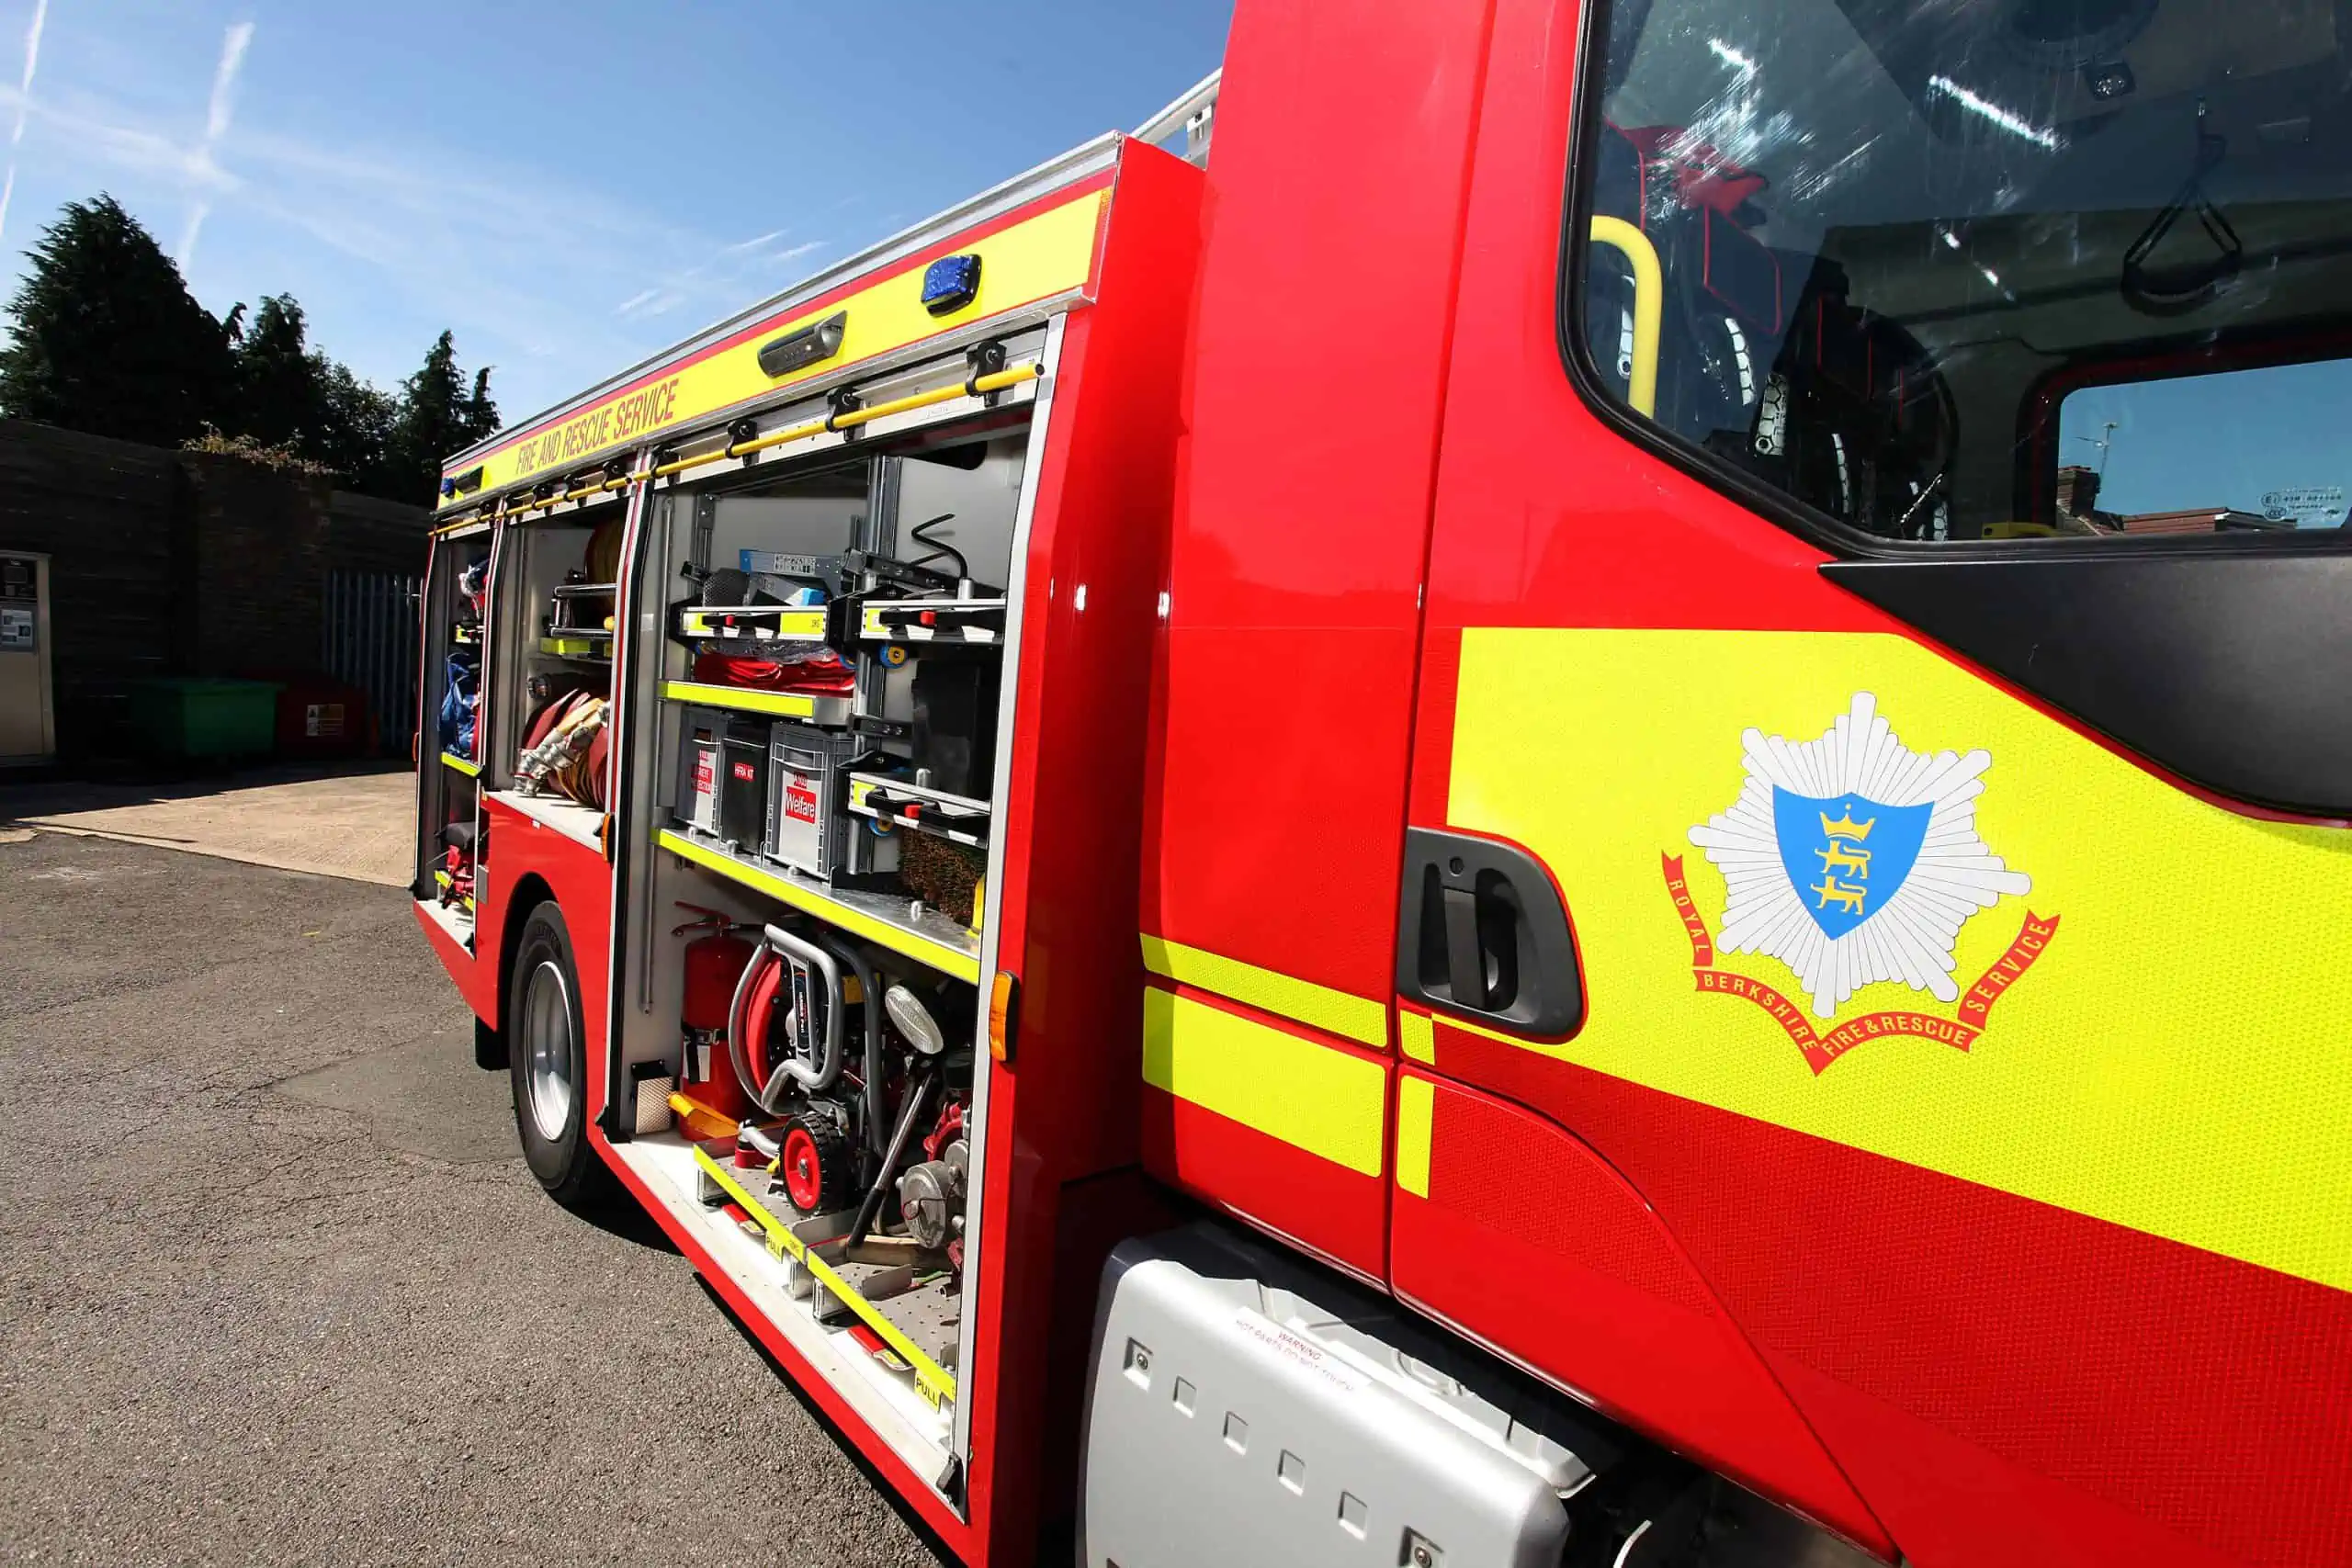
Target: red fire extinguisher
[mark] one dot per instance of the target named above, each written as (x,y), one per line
(715,962)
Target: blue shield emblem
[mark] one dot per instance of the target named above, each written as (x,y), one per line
(1846,856)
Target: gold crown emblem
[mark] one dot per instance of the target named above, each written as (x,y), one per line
(1846,827)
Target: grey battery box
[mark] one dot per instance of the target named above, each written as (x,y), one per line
(1244,1407)
(701,764)
(722,775)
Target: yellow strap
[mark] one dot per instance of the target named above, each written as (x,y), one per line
(1323,1098)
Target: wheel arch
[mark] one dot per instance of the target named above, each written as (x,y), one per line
(530,891)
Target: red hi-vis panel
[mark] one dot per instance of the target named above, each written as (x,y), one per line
(1505,1225)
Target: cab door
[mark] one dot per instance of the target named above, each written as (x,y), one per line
(1876,855)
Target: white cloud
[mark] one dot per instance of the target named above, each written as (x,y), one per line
(32,59)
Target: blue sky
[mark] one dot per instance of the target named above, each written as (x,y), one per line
(567,186)
(2221,440)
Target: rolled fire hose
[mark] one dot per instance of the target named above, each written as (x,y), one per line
(769,1096)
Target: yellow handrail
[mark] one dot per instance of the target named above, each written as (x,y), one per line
(1650,306)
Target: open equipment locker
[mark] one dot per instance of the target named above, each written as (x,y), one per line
(1058,376)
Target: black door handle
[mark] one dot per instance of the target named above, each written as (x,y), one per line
(1482,932)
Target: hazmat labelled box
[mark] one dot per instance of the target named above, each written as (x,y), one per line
(723,776)
(701,742)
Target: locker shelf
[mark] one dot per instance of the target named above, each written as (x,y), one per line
(980,621)
(743,699)
(581,824)
(929,938)
(955,817)
(588,646)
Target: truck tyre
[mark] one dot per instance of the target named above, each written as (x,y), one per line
(548,1062)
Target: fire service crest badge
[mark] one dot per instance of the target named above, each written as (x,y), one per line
(1852,859)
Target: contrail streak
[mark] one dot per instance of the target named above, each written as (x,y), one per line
(217,115)
(24,104)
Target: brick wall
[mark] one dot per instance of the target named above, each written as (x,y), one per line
(172,563)
(112,517)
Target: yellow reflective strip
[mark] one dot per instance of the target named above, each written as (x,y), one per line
(1341,1013)
(1044,257)
(1415,1110)
(791,704)
(2174,1062)
(937,1383)
(1317,1097)
(791,626)
(1416,1037)
(964,966)
(471,768)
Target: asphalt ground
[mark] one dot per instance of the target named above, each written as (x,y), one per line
(276,1287)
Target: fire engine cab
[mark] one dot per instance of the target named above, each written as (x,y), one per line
(1566,783)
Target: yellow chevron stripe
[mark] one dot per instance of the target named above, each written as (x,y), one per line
(1339,1013)
(1330,1102)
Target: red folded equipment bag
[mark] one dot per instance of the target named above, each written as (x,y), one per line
(822,676)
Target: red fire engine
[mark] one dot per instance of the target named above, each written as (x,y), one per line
(1608,778)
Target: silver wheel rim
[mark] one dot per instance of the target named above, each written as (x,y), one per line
(547,1041)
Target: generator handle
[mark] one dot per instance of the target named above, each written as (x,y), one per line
(817,1079)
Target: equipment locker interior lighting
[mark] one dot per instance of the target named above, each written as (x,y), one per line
(807,345)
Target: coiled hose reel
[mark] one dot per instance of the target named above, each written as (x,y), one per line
(802,977)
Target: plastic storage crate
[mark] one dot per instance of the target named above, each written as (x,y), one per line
(809,821)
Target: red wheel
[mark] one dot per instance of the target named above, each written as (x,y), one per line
(814,1165)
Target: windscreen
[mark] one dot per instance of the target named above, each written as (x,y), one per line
(1905,250)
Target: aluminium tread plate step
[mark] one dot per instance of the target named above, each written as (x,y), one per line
(920,1359)
(917,1429)
(928,1312)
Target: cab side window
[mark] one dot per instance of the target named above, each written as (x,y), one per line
(2020,270)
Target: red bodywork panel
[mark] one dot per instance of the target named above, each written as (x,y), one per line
(1999,1380)
(1530,1241)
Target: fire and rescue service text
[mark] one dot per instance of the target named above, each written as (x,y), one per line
(601,427)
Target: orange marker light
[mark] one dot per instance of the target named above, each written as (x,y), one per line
(1001,992)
